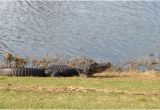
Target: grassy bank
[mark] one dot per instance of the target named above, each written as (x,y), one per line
(109,91)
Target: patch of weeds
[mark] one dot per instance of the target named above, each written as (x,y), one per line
(142,99)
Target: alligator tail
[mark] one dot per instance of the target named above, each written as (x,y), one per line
(22,72)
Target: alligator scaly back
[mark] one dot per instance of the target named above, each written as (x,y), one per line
(54,70)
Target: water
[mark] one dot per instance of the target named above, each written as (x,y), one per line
(114,31)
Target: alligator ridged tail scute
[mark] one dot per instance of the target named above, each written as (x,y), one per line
(22,72)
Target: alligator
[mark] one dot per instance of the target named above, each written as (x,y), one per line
(54,70)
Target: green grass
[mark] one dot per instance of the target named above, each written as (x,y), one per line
(72,99)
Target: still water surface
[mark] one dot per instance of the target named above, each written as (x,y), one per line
(114,31)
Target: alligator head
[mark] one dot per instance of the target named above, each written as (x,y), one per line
(97,68)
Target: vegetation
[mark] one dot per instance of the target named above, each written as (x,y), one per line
(32,61)
(107,90)
(119,87)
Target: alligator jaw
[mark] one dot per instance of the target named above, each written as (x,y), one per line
(99,67)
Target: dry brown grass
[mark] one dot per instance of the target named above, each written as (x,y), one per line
(131,73)
(69,89)
(78,92)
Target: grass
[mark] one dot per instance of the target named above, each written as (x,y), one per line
(107,91)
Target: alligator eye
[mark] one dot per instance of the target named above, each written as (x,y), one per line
(109,64)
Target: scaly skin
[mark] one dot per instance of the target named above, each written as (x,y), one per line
(14,71)
(54,70)
(61,70)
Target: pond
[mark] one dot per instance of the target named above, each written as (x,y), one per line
(114,31)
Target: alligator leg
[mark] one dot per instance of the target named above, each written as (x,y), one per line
(55,73)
